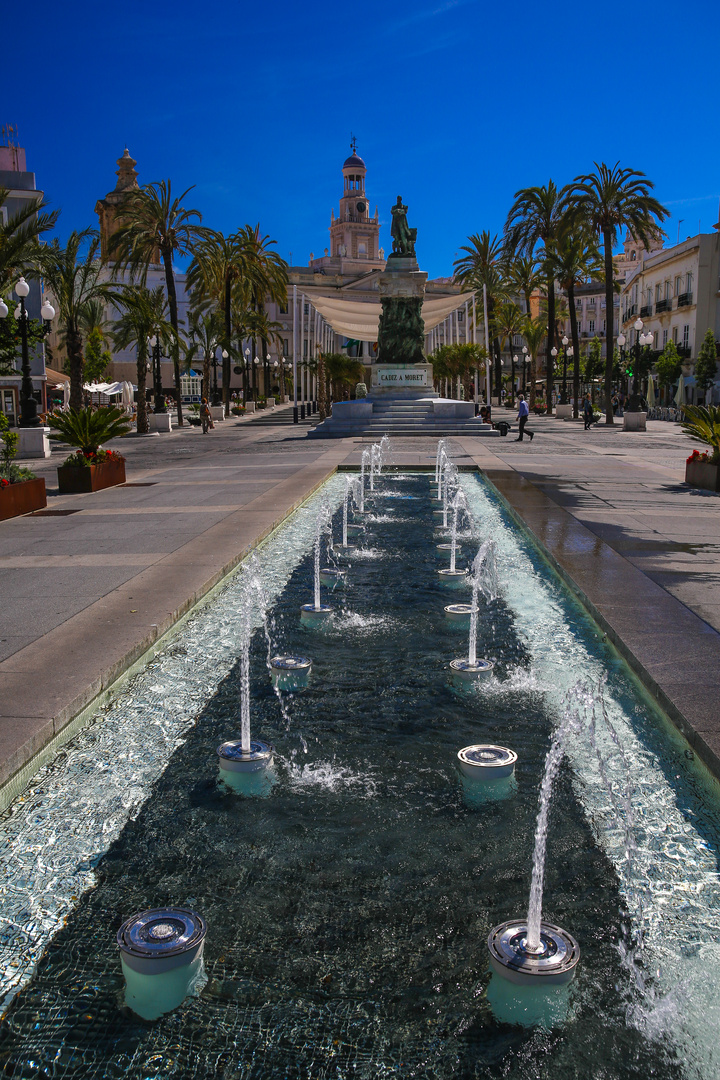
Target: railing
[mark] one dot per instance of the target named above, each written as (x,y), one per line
(685,299)
(646,311)
(631,311)
(663,305)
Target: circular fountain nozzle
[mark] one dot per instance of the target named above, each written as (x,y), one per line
(312,615)
(552,964)
(459,613)
(465,672)
(161,939)
(234,759)
(330,575)
(487,762)
(443,550)
(290,672)
(453,578)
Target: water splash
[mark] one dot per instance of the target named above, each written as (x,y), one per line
(484,578)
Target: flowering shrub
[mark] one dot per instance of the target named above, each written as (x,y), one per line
(92,457)
(697,456)
(10,473)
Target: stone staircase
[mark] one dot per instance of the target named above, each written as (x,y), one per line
(400,417)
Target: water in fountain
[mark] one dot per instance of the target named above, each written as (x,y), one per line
(321,527)
(568,724)
(459,503)
(484,578)
(365,461)
(346,500)
(449,486)
(440,459)
(254,603)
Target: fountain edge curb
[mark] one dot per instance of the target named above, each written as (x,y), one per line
(18,769)
(498,479)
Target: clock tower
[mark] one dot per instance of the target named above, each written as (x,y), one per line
(354,234)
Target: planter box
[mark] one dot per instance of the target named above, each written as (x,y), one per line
(22,498)
(79,479)
(703,474)
(563,412)
(217,412)
(250,406)
(635,421)
(160,421)
(270,403)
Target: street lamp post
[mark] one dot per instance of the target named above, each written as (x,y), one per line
(563,396)
(216,396)
(513,362)
(637,326)
(158,396)
(525,359)
(255,378)
(28,404)
(550,380)
(246,376)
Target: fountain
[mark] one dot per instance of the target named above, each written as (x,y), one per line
(484,576)
(345,548)
(488,773)
(440,459)
(530,954)
(161,952)
(289,672)
(452,577)
(240,759)
(315,613)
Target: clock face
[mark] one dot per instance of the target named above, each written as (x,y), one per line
(361,207)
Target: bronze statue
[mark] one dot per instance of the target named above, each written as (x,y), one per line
(403,236)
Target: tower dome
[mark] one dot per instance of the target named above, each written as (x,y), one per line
(354,162)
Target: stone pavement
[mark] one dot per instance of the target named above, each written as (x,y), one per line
(90,584)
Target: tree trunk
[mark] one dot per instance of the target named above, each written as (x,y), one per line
(576,348)
(550,366)
(73,343)
(172,304)
(142,416)
(207,393)
(609,327)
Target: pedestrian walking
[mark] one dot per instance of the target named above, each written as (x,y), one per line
(205,416)
(522,418)
(587,411)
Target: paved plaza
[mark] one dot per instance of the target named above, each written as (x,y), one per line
(90,583)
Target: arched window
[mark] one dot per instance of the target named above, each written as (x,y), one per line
(633,256)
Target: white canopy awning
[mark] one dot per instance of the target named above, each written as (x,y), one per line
(354,319)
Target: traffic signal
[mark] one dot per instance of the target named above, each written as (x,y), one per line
(628,371)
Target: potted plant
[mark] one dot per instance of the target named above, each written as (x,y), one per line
(702,423)
(261,402)
(91,467)
(21,491)
(360,390)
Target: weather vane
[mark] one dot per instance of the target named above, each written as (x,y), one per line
(353,143)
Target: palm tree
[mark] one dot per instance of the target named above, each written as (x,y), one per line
(483,266)
(534,331)
(206,335)
(75,282)
(509,321)
(265,278)
(19,239)
(217,278)
(573,260)
(157,228)
(607,200)
(524,276)
(143,313)
(535,217)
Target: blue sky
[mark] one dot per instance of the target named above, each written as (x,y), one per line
(455,104)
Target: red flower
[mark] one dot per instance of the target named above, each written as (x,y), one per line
(4,482)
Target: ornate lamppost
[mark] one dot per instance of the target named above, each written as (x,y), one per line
(563,395)
(550,380)
(159,398)
(216,396)
(255,378)
(246,377)
(525,358)
(28,403)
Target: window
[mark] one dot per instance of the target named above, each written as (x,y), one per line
(665,335)
(675,334)
(658,293)
(634,294)
(633,256)
(591,301)
(286,347)
(591,326)
(283,309)
(655,340)
(678,285)
(668,290)
(688,281)
(305,347)
(362,248)
(307,309)
(686,334)
(461,316)
(649,297)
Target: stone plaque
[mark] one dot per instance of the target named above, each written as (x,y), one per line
(396,376)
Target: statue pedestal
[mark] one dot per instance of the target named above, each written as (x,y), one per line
(402,381)
(401,334)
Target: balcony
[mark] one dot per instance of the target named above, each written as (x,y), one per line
(663,305)
(685,299)
(631,312)
(646,311)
